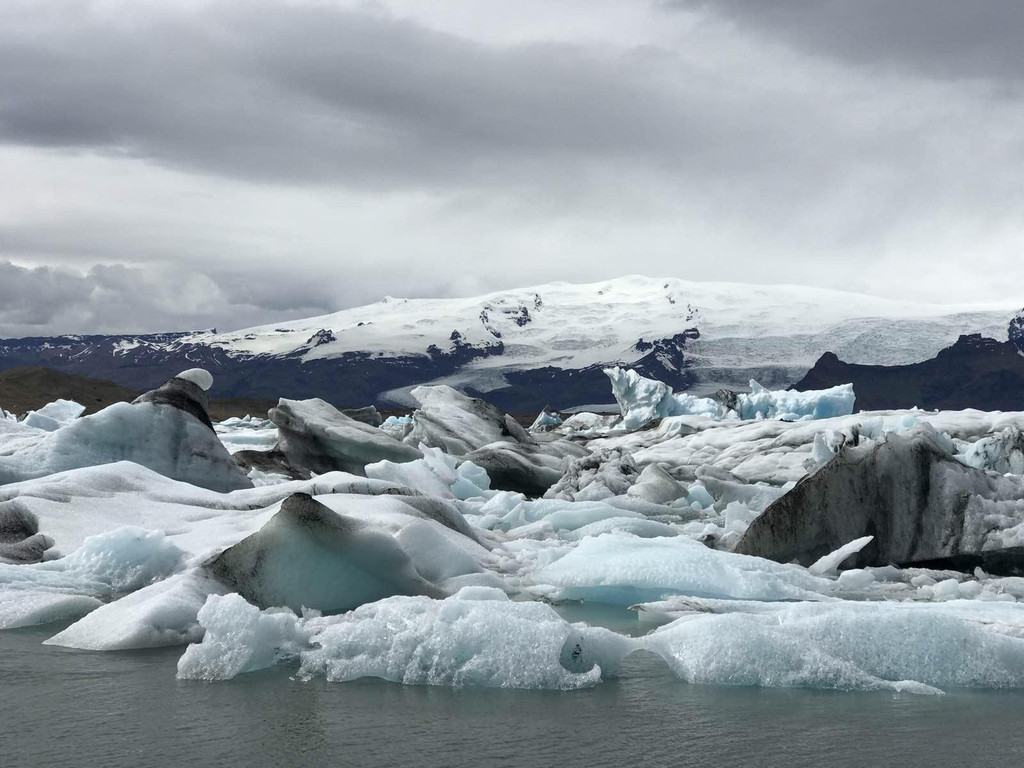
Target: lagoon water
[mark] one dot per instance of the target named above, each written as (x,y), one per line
(60,707)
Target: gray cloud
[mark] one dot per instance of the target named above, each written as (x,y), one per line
(44,301)
(289,159)
(326,95)
(946,39)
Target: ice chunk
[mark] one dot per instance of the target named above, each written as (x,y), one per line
(105,566)
(438,553)
(314,436)
(367,414)
(600,475)
(26,607)
(656,486)
(54,415)
(643,400)
(856,579)
(246,434)
(528,468)
(164,613)
(1002,452)
(458,424)
(396,426)
(161,437)
(198,376)
(918,501)
(477,637)
(546,420)
(436,474)
(622,570)
(840,645)
(828,564)
(20,540)
(795,406)
(307,556)
(240,638)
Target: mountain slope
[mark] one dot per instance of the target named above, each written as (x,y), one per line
(975,372)
(31,387)
(525,348)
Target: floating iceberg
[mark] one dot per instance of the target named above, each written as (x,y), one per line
(105,566)
(164,613)
(476,637)
(844,645)
(790,405)
(308,556)
(623,570)
(643,400)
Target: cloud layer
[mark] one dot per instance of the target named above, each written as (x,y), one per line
(280,159)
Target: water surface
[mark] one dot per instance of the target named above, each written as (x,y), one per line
(60,707)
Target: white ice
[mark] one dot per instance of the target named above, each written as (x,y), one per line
(54,415)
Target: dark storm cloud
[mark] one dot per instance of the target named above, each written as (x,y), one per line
(324,94)
(948,39)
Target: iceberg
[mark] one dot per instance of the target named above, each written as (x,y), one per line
(104,567)
(918,502)
(458,424)
(643,400)
(790,405)
(841,645)
(620,569)
(476,637)
(307,556)
(436,474)
(315,437)
(161,614)
(166,430)
(238,638)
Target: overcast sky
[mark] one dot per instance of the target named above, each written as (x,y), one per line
(186,164)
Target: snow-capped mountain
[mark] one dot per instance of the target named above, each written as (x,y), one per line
(545,344)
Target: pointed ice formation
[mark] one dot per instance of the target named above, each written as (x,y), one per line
(167,430)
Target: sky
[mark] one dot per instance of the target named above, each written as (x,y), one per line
(185,164)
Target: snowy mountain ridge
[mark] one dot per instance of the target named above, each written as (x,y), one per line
(538,344)
(574,325)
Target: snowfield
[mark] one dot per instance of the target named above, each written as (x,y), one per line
(766,538)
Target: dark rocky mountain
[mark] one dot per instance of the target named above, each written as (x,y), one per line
(975,372)
(353,378)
